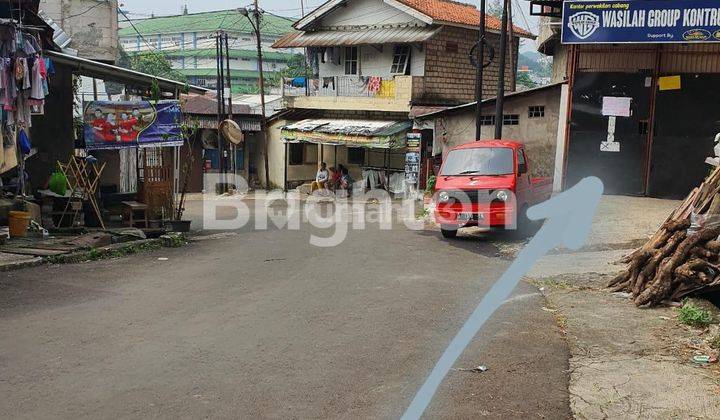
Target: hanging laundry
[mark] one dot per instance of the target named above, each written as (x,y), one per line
(24,142)
(374,84)
(36,90)
(328,83)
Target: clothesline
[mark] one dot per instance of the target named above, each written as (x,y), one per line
(24,84)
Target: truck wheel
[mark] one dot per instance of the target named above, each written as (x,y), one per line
(448,232)
(524,224)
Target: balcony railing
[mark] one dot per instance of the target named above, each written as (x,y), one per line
(344,86)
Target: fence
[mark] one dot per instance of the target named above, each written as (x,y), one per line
(346,86)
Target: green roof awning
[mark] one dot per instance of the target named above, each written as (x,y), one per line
(350,133)
(229,20)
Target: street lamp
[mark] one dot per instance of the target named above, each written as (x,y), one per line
(256,14)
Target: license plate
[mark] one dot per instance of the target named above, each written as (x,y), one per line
(464,217)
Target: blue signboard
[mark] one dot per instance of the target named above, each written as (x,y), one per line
(116,125)
(640,21)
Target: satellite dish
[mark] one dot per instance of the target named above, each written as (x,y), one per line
(232,132)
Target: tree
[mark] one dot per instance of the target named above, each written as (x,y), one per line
(156,64)
(524,80)
(295,68)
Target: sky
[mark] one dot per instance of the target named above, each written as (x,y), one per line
(143,8)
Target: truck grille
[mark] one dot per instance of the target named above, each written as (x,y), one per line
(474,196)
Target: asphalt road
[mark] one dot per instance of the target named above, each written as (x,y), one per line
(264,325)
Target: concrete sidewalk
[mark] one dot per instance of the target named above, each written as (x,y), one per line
(625,362)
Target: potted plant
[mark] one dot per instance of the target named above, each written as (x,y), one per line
(176,222)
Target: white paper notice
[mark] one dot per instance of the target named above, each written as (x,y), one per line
(610,146)
(611,128)
(616,106)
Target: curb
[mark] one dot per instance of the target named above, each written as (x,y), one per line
(22,264)
(106,252)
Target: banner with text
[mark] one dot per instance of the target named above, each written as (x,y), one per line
(116,124)
(647,21)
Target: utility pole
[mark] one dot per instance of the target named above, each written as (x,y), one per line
(262,93)
(255,23)
(229,110)
(479,73)
(499,100)
(219,85)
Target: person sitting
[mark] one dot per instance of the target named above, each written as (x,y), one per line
(321,178)
(346,181)
(334,175)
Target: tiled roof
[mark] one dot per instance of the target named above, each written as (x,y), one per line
(458,13)
(229,20)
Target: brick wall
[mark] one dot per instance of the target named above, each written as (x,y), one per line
(449,76)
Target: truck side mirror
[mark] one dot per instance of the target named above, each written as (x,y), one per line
(522,168)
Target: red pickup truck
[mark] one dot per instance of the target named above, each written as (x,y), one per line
(487,184)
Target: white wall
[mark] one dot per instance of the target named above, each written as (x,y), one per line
(376,63)
(93,27)
(367,12)
(538,134)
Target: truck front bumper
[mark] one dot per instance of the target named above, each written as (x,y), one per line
(495,215)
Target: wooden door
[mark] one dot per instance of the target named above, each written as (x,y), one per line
(156,181)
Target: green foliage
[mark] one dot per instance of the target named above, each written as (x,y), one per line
(537,63)
(694,316)
(523,79)
(296,67)
(431,185)
(156,64)
(715,342)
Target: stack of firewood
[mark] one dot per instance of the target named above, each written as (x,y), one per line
(679,259)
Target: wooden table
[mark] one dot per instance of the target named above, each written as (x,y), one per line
(133,207)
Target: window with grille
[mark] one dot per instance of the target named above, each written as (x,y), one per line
(351,60)
(401,59)
(536,112)
(356,156)
(511,119)
(487,120)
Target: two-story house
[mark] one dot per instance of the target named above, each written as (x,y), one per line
(374,64)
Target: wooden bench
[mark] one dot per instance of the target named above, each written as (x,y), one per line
(136,207)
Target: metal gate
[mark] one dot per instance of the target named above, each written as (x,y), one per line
(687,120)
(623,171)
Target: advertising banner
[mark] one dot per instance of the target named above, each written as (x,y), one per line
(640,21)
(116,125)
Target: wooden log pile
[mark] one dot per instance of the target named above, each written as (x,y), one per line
(675,263)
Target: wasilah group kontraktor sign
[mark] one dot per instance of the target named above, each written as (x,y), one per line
(641,21)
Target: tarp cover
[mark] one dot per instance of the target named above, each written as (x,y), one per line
(117,125)
(351,133)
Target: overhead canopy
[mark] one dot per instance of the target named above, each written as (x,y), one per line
(363,36)
(351,133)
(109,72)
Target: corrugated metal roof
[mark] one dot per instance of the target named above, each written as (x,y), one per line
(99,70)
(353,133)
(228,20)
(372,36)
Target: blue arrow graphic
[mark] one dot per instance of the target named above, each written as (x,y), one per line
(569,219)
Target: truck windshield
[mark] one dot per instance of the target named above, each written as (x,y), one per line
(479,161)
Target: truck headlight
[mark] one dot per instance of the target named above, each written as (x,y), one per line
(443,197)
(502,195)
